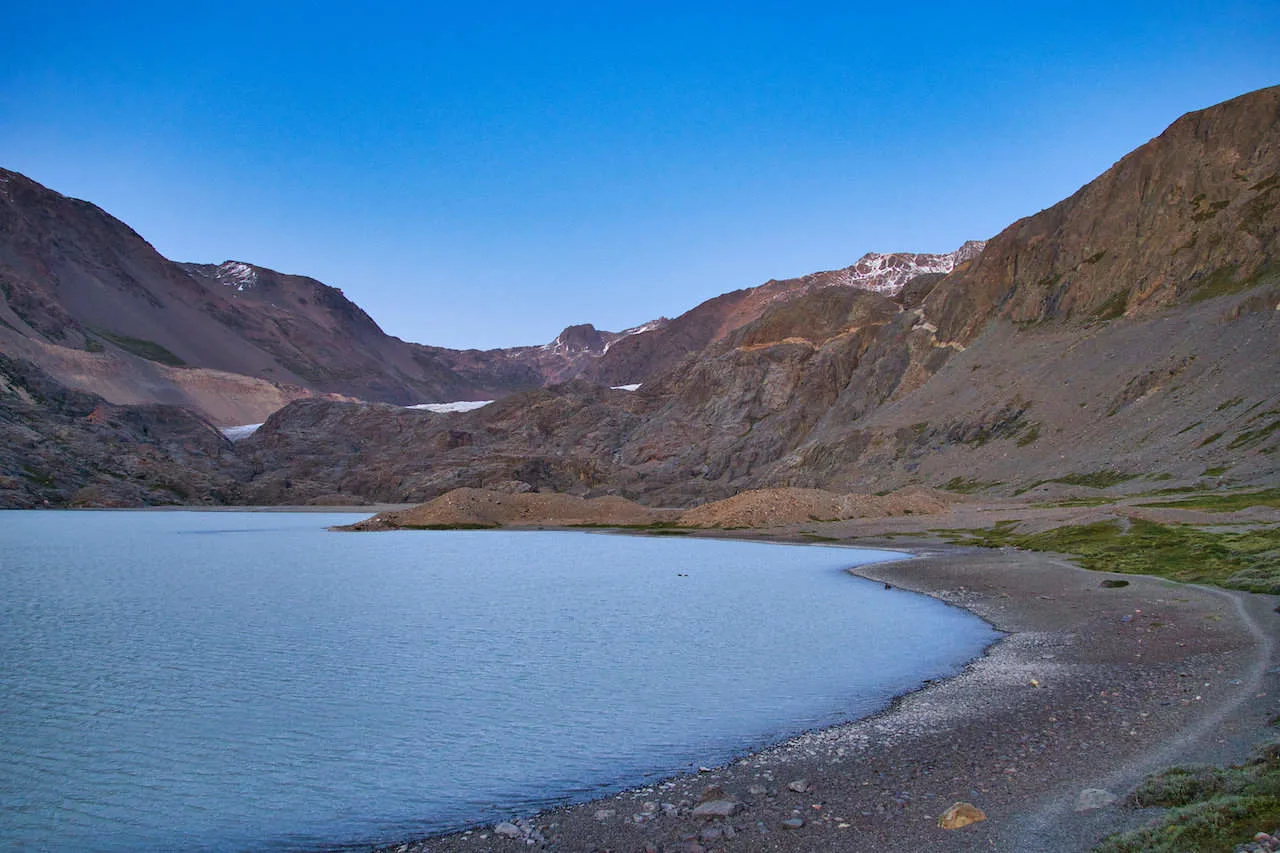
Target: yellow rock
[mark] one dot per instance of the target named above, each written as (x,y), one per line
(961,814)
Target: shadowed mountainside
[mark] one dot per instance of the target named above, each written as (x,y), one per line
(1123,339)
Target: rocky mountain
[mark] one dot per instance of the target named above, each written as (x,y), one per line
(654,350)
(98,308)
(1125,338)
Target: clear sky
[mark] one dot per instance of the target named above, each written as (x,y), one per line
(485,174)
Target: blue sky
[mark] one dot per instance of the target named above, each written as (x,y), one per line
(485,175)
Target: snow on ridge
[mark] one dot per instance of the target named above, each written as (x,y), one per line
(236,433)
(632,387)
(456,406)
(235,274)
(650,326)
(889,273)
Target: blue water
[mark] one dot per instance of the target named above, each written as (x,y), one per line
(224,681)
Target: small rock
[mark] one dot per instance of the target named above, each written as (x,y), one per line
(793,823)
(507,830)
(711,833)
(961,814)
(604,814)
(712,792)
(757,790)
(1094,798)
(798,785)
(716,808)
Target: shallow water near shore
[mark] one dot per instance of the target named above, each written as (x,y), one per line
(236,680)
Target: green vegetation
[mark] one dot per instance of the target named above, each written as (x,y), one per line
(150,350)
(1209,212)
(1229,502)
(1225,280)
(1248,559)
(969,486)
(1094,480)
(1100,500)
(1210,440)
(1032,433)
(1253,436)
(1210,808)
(1114,306)
(1216,471)
(1188,427)
(655,525)
(1227,404)
(467,526)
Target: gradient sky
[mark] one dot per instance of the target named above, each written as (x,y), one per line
(484,175)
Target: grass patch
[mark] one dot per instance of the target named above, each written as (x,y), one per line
(965,486)
(1094,480)
(1216,471)
(1096,501)
(150,350)
(1227,404)
(1209,808)
(1253,436)
(1114,306)
(1248,559)
(1229,502)
(1188,428)
(1210,440)
(654,525)
(1029,436)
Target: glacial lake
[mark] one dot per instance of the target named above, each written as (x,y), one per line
(230,681)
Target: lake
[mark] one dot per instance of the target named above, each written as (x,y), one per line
(229,680)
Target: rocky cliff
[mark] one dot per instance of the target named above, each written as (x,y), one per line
(1123,339)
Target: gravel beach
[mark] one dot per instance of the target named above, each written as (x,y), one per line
(1092,688)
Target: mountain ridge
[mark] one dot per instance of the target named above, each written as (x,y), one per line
(1123,337)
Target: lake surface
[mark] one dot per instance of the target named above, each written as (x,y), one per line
(225,681)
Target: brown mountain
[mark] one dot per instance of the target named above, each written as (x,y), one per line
(92,303)
(1126,336)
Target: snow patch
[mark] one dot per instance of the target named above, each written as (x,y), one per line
(236,433)
(237,275)
(888,274)
(457,406)
(634,387)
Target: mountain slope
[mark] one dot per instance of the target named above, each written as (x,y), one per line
(1125,337)
(1189,215)
(643,355)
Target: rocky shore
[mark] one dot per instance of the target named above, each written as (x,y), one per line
(1032,747)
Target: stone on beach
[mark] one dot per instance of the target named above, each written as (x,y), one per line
(716,808)
(1094,798)
(960,815)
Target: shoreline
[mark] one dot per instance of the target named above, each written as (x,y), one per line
(1089,688)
